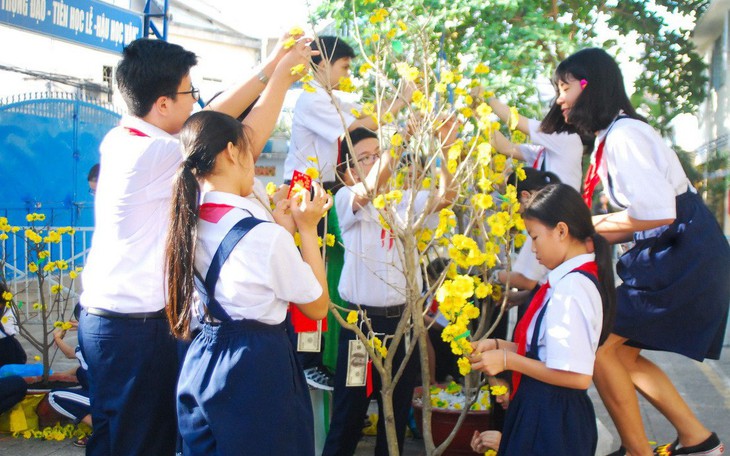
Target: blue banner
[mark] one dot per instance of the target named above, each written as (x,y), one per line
(87,22)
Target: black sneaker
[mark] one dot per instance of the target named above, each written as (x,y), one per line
(319,379)
(712,446)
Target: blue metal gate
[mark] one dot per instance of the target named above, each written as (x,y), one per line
(48,143)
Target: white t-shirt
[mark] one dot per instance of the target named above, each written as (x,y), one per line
(646,175)
(124,271)
(372,272)
(571,328)
(316,127)
(264,272)
(561,152)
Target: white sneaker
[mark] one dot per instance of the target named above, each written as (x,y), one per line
(319,379)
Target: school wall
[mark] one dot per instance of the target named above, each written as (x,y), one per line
(712,38)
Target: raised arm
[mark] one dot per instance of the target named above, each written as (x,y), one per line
(506,147)
(503,112)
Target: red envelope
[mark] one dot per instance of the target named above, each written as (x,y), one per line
(299,180)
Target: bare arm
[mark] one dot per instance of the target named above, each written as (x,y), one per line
(618,227)
(492,362)
(376,178)
(506,147)
(306,216)
(65,348)
(236,99)
(447,190)
(502,111)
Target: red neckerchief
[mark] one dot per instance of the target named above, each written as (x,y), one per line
(135,132)
(592,179)
(537,160)
(212,212)
(520,335)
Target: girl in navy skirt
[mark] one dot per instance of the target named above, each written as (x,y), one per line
(675,291)
(555,342)
(240,380)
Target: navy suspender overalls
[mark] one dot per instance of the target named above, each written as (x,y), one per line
(545,419)
(240,380)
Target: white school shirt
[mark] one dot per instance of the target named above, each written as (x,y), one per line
(11,326)
(646,175)
(125,271)
(571,328)
(561,152)
(264,272)
(316,127)
(371,273)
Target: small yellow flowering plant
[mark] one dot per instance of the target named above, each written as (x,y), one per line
(41,276)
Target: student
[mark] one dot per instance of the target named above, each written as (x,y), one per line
(11,351)
(246,276)
(559,152)
(667,301)
(372,280)
(13,389)
(317,125)
(73,403)
(132,379)
(555,342)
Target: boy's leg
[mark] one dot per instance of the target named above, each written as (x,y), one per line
(12,391)
(132,378)
(350,404)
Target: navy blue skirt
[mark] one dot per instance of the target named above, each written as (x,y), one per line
(241,391)
(546,419)
(676,286)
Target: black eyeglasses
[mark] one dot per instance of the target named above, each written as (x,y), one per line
(193,91)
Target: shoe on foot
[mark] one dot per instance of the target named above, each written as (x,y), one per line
(620,452)
(81,443)
(712,446)
(319,379)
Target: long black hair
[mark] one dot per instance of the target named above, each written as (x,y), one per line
(562,203)
(603,97)
(203,136)
(535,179)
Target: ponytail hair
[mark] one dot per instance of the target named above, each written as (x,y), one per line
(203,136)
(562,203)
(534,180)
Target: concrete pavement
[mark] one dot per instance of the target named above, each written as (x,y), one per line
(705,386)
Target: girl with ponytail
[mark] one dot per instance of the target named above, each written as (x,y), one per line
(555,342)
(235,274)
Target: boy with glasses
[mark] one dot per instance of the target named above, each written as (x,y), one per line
(123,332)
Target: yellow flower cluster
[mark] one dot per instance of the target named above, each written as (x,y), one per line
(447,222)
(451,397)
(378,16)
(55,289)
(32,236)
(57,432)
(7,296)
(346,85)
(378,346)
(35,217)
(465,252)
(393,196)
(408,72)
(352,317)
(312,172)
(64,325)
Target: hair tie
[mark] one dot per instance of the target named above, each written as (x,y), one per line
(583,83)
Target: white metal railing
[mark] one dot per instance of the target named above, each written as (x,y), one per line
(24,285)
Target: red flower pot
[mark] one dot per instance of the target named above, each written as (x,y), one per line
(443,422)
